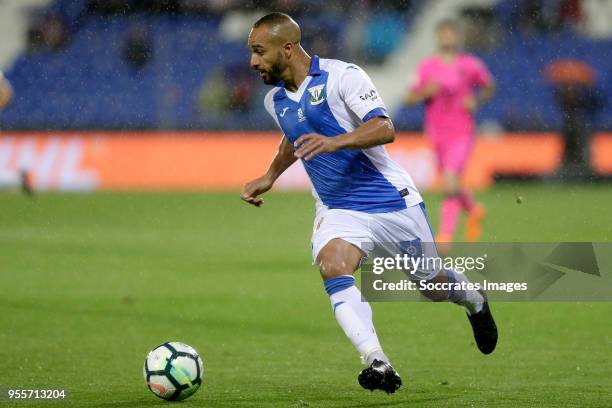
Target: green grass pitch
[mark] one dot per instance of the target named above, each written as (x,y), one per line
(90,282)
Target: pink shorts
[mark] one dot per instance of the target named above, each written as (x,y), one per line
(453,153)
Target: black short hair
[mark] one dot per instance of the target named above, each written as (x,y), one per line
(272,19)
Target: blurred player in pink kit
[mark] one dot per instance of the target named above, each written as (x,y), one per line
(452,85)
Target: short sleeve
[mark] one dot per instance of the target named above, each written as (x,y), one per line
(360,95)
(269,105)
(480,74)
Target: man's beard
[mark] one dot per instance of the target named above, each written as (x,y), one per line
(273,76)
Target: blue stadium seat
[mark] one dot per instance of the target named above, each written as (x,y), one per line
(88,85)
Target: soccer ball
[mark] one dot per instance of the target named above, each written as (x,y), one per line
(173,371)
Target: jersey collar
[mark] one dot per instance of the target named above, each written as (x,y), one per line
(314,70)
(314,66)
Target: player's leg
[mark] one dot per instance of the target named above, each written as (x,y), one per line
(447,152)
(474,301)
(456,161)
(475,304)
(451,206)
(418,224)
(336,242)
(337,261)
(476,213)
(413,224)
(453,156)
(25,183)
(14,180)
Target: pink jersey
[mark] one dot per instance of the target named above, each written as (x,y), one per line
(445,114)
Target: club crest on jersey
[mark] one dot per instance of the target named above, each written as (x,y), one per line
(316,94)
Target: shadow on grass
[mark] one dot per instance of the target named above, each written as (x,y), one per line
(402,402)
(143,402)
(339,402)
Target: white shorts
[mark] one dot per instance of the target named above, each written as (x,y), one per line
(368,231)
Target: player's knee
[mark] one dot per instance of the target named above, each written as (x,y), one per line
(451,191)
(338,258)
(451,186)
(330,268)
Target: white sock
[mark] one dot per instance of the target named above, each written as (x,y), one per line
(355,317)
(472,300)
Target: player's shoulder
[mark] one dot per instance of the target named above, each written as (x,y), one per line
(271,93)
(428,62)
(337,67)
(269,99)
(469,59)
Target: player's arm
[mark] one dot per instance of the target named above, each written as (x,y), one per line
(482,79)
(418,95)
(374,132)
(283,159)
(422,88)
(481,97)
(485,93)
(6,92)
(356,90)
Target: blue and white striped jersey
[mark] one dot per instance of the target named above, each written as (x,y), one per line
(336,98)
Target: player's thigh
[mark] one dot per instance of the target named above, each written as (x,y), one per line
(408,224)
(407,232)
(340,239)
(338,257)
(453,154)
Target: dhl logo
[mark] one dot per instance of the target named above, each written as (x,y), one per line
(226,160)
(53,163)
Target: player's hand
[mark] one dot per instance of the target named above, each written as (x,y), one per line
(253,189)
(430,90)
(470,103)
(310,145)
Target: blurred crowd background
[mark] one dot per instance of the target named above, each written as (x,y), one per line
(184,64)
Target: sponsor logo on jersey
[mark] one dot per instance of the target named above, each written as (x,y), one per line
(369,95)
(301,116)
